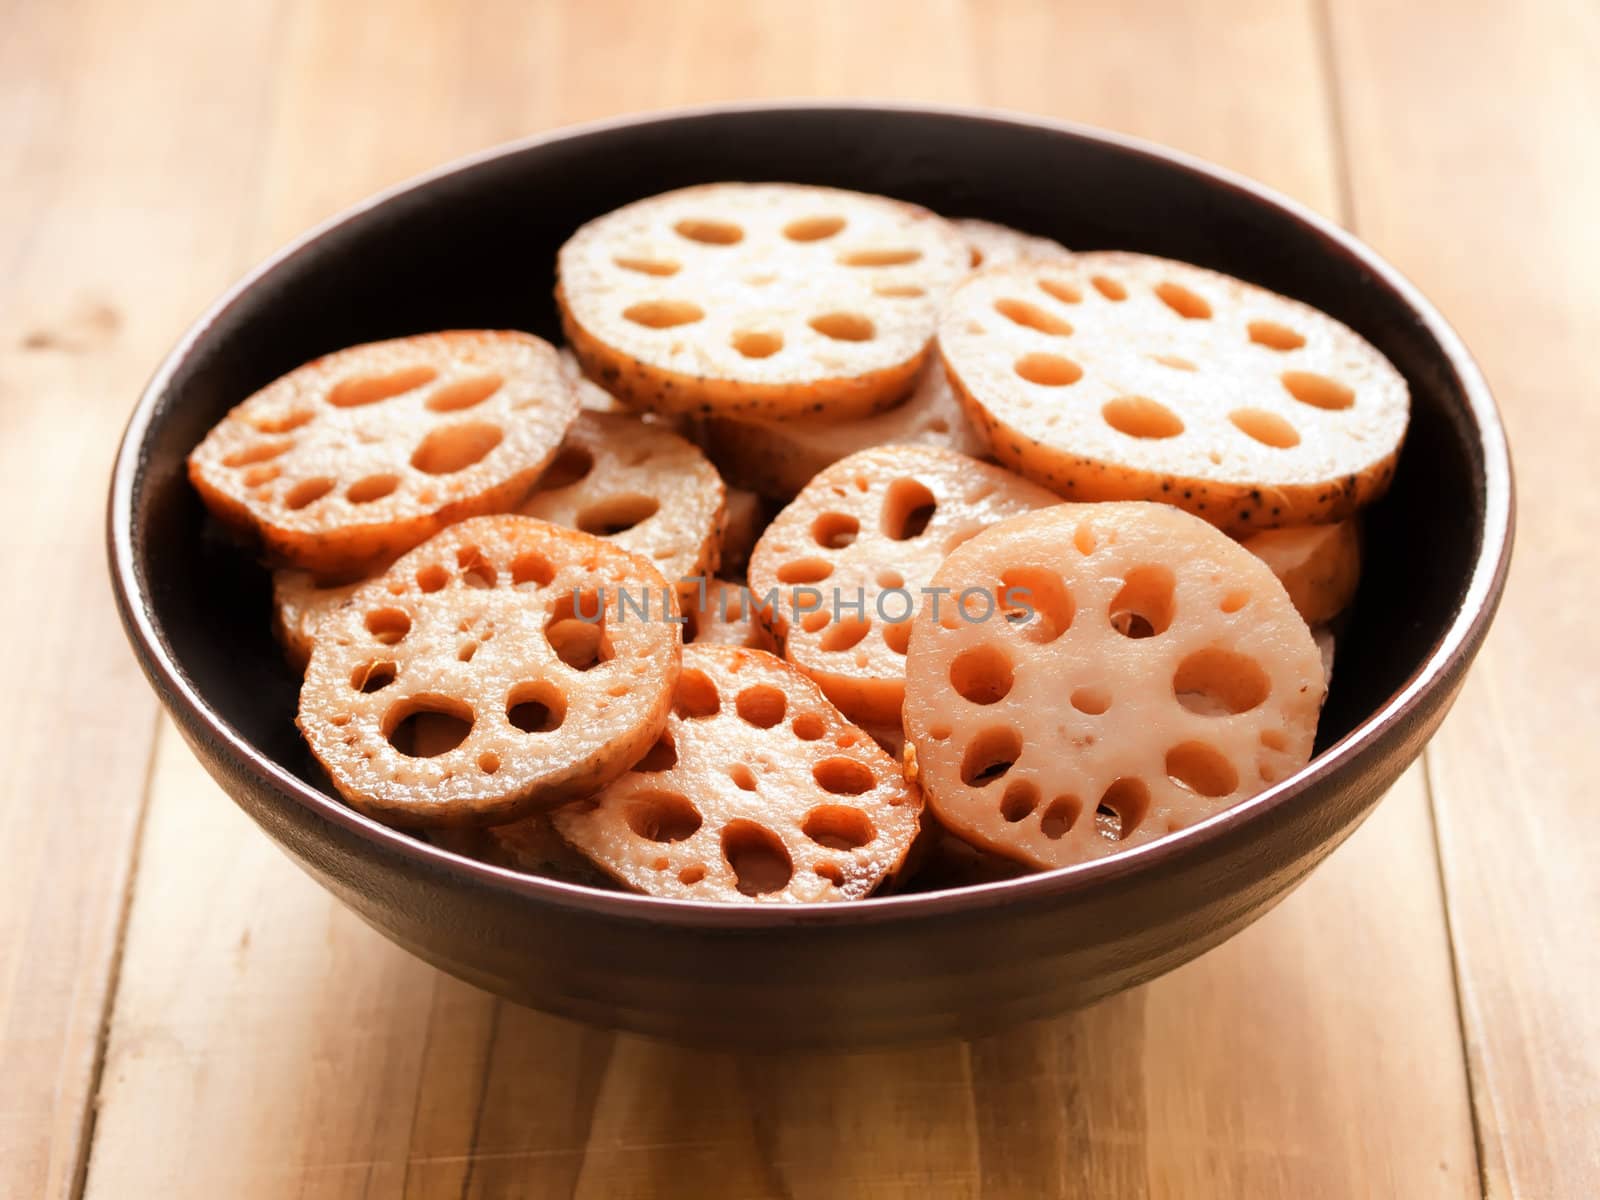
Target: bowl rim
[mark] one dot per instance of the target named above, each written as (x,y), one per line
(1466,630)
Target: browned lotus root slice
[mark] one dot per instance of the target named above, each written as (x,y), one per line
(758,298)
(640,486)
(724,614)
(1114,376)
(532,845)
(470,684)
(357,456)
(1137,672)
(873,528)
(1318,565)
(758,790)
(300,602)
(778,458)
(993,245)
(744,517)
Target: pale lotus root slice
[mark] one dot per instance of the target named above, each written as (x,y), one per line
(348,461)
(744,517)
(873,527)
(1137,673)
(724,613)
(1318,565)
(1113,376)
(759,789)
(778,458)
(766,299)
(591,396)
(300,603)
(995,245)
(471,684)
(640,486)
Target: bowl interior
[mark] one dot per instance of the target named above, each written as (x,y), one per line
(475,247)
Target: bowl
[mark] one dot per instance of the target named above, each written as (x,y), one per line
(473,245)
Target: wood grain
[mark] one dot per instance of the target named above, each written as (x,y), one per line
(110,237)
(1494,128)
(264,1042)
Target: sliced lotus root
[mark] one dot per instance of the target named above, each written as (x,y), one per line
(1114,376)
(640,486)
(1116,672)
(491,672)
(993,245)
(758,790)
(744,517)
(533,847)
(778,458)
(846,563)
(591,396)
(300,602)
(357,456)
(725,614)
(766,299)
(1318,565)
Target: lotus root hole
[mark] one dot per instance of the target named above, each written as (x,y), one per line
(571,464)
(1060,817)
(908,506)
(463,393)
(1146,604)
(710,233)
(476,570)
(743,777)
(1035,602)
(691,875)
(659,267)
(286,423)
(696,696)
(1110,288)
(761,705)
(1273,739)
(452,448)
(757,343)
(532,567)
(1091,700)
(372,487)
(1020,799)
(990,755)
(1122,809)
(388,625)
(845,634)
(814,620)
(899,291)
(1275,336)
(662,756)
(1201,768)
(760,862)
(843,776)
(576,629)
(1216,683)
(830,872)
(661,816)
(617,514)
(432,577)
(1317,390)
(1062,291)
(838,827)
(1233,601)
(844,326)
(663,314)
(1141,417)
(981,674)
(1084,539)
(897,636)
(1031,316)
(373,676)
(895,256)
(424,727)
(1268,428)
(537,707)
(835,531)
(805,570)
(813,229)
(1048,370)
(1174,362)
(265,473)
(1189,305)
(370,389)
(488,762)
(808,727)
(307,492)
(466,651)
(257,453)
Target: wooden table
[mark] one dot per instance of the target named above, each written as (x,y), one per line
(182,1013)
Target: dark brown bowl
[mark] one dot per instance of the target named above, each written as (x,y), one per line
(474,245)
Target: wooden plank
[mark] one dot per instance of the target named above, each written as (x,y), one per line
(110,239)
(1492,131)
(265,1042)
